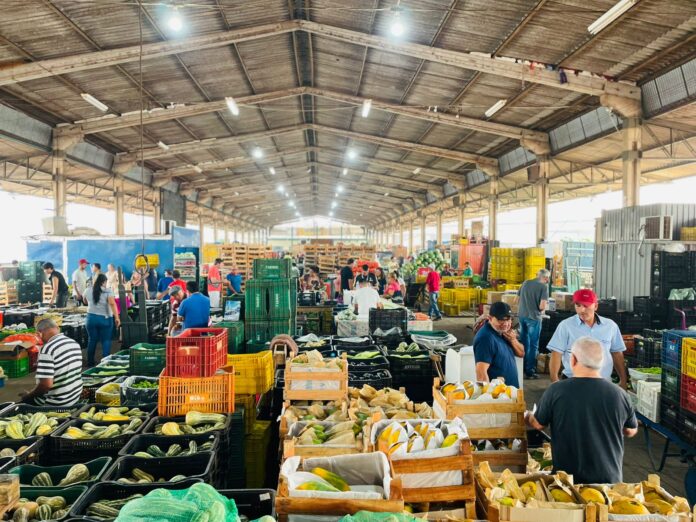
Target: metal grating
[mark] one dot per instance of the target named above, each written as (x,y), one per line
(476,178)
(582,129)
(515,159)
(15,124)
(675,87)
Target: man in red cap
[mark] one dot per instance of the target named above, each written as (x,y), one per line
(586,323)
(79,280)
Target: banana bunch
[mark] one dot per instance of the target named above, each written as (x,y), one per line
(339,434)
(403,438)
(331,482)
(314,359)
(479,391)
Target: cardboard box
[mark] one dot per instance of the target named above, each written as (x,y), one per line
(14,350)
(477,228)
(494,297)
(543,360)
(564,301)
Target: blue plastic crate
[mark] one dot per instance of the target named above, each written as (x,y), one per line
(671,347)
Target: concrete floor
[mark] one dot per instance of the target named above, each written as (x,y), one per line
(636,461)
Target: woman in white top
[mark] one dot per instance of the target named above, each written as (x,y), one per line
(102,315)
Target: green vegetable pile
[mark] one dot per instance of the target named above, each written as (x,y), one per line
(365,355)
(147,385)
(423,260)
(655,370)
(174,450)
(403,347)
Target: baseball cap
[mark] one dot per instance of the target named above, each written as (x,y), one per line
(585,296)
(500,310)
(83,261)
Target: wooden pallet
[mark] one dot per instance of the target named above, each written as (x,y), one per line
(339,377)
(8,294)
(47,293)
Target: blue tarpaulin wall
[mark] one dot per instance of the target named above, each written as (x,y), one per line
(46,251)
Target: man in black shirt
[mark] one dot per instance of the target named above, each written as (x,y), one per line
(60,287)
(365,275)
(347,276)
(589,418)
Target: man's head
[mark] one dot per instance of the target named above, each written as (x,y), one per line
(585,301)
(192,287)
(82,263)
(233,270)
(431,266)
(467,264)
(110,267)
(168,272)
(587,354)
(176,293)
(543,276)
(47,328)
(218,261)
(96,267)
(500,317)
(350,261)
(47,268)
(365,269)
(176,274)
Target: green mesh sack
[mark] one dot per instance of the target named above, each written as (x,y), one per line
(199,503)
(369,516)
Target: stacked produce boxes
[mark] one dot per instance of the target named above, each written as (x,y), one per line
(516,265)
(678,394)
(270,301)
(31,279)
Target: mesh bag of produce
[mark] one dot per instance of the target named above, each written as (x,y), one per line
(199,503)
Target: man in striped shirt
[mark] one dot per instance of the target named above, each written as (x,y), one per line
(59,372)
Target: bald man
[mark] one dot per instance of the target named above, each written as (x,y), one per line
(589,418)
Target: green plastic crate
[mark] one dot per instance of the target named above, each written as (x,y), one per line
(264,331)
(256,300)
(147,360)
(272,268)
(15,368)
(282,299)
(235,335)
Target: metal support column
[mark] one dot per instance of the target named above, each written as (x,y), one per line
(215,228)
(542,202)
(631,164)
(157,211)
(410,237)
(422,233)
(460,220)
(120,200)
(201,229)
(493,209)
(401,241)
(438,228)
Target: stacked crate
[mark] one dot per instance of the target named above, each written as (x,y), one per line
(8,293)
(31,279)
(516,265)
(687,400)
(257,443)
(672,412)
(270,301)
(242,257)
(534,260)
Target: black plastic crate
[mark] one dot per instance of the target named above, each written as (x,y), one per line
(97,467)
(653,306)
(377,379)
(33,452)
(671,384)
(252,503)
(416,390)
(378,362)
(340,342)
(198,466)
(144,440)
(421,367)
(630,323)
(385,319)
(686,427)
(20,408)
(670,266)
(647,351)
(72,451)
(393,340)
(671,347)
(653,333)
(669,415)
(606,307)
(116,491)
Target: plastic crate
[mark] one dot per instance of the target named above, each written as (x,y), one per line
(198,466)
(20,409)
(688,394)
(688,366)
(419,368)
(27,472)
(136,396)
(146,359)
(247,405)
(265,331)
(648,352)
(272,268)
(15,368)
(253,372)
(115,491)
(385,319)
(256,347)
(377,379)
(669,415)
(252,503)
(32,452)
(63,450)
(212,351)
(71,494)
(671,347)
(687,427)
(215,394)
(671,384)
(340,342)
(142,441)
(653,306)
(235,335)
(379,362)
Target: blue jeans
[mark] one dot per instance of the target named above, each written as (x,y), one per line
(99,329)
(530,329)
(434,311)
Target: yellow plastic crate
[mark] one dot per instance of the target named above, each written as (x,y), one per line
(248,402)
(535,252)
(447,295)
(253,372)
(689,357)
(451,309)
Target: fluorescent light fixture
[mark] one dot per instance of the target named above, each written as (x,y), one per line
(612,14)
(417,170)
(236,193)
(198,169)
(345,171)
(339,188)
(330,214)
(297,214)
(272,170)
(335,194)
(162,145)
(495,108)
(386,194)
(366,106)
(175,22)
(352,154)
(257,153)
(232,106)
(280,188)
(291,203)
(94,102)
(397,27)
(333,204)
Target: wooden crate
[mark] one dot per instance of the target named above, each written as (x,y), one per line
(292,449)
(517,428)
(285,428)
(514,460)
(8,294)
(462,462)
(47,294)
(340,377)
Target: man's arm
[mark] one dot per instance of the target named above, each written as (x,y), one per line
(54,284)
(557,345)
(42,388)
(555,366)
(630,432)
(543,304)
(482,371)
(620,367)
(515,344)
(532,422)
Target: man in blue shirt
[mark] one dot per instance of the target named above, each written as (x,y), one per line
(234,282)
(496,346)
(586,323)
(195,309)
(163,285)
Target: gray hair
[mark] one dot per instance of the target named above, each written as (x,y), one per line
(174,290)
(46,324)
(588,352)
(543,273)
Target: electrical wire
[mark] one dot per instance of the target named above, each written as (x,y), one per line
(142,129)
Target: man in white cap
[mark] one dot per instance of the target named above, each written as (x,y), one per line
(432,284)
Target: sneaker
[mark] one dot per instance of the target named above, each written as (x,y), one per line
(532,377)
(438,319)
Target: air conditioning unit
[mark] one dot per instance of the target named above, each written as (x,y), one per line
(656,227)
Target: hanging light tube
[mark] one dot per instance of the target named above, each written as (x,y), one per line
(366,106)
(610,16)
(495,108)
(94,102)
(232,106)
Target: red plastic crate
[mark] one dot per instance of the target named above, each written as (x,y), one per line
(206,353)
(688,394)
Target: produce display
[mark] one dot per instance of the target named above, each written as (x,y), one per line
(112,414)
(390,403)
(341,433)
(77,473)
(326,481)
(497,445)
(479,391)
(423,260)
(405,437)
(27,425)
(635,499)
(346,315)
(109,509)
(195,422)
(92,431)
(404,347)
(138,476)
(146,385)
(540,459)
(174,450)
(43,508)
(314,359)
